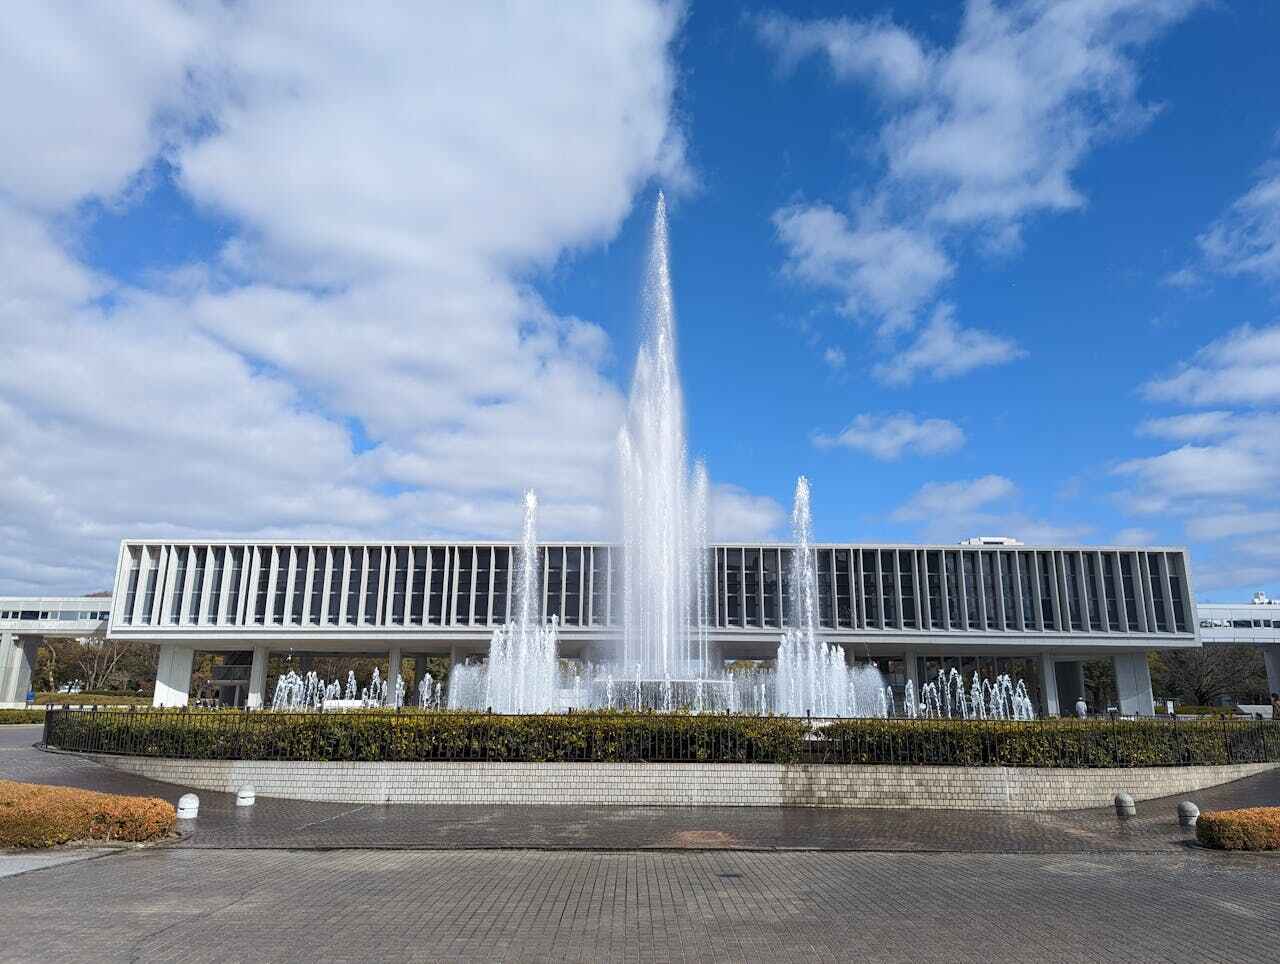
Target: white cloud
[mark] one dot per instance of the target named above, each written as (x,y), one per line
(978,137)
(878,50)
(835,358)
(739,516)
(1243,367)
(367,340)
(1224,525)
(954,498)
(888,437)
(884,272)
(949,511)
(1134,537)
(943,349)
(1246,240)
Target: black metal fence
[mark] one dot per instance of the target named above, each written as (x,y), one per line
(413,735)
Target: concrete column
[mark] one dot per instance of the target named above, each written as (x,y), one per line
(10,653)
(17,664)
(393,673)
(1049,686)
(1133,682)
(909,669)
(173,675)
(1271,654)
(256,697)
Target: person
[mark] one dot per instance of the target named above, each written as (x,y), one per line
(1275,706)
(1082,708)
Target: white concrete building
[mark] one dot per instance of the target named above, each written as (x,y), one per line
(1255,623)
(910,608)
(24,621)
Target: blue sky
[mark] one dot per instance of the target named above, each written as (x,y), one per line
(1006,268)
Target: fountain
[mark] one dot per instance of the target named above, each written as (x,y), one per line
(662,658)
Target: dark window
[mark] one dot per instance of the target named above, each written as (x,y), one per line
(751,586)
(989,597)
(501,582)
(197,584)
(1091,590)
(786,577)
(1027,577)
(1006,562)
(907,576)
(600,585)
(149,584)
(465,559)
(318,577)
(417,591)
(871,588)
(399,583)
(1179,611)
(1073,589)
(1155,564)
(179,582)
(299,585)
(822,570)
(733,587)
(971,589)
(237,563)
(441,568)
(953,588)
(1047,592)
(217,560)
(354,577)
(1109,586)
(554,568)
(888,589)
(573,586)
(372,578)
(1130,598)
(335,586)
(844,601)
(772,588)
(131,584)
(933,576)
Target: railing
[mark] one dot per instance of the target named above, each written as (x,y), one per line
(413,735)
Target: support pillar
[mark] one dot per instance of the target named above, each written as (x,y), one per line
(910,669)
(173,675)
(1271,654)
(1133,682)
(393,674)
(17,666)
(1049,686)
(256,697)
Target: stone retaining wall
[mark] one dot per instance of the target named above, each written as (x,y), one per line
(688,784)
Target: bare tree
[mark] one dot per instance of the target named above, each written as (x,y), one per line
(1202,676)
(98,661)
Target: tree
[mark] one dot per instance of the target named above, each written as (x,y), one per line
(1203,676)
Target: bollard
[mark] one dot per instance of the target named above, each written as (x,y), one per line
(1125,807)
(1188,814)
(245,796)
(188,806)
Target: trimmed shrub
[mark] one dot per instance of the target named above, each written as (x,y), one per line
(412,735)
(1254,828)
(21,716)
(32,815)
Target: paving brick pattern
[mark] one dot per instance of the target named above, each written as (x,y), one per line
(166,905)
(685,784)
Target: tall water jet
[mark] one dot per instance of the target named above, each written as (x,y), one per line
(662,551)
(812,676)
(522,672)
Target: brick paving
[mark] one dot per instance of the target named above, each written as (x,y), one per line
(348,905)
(641,884)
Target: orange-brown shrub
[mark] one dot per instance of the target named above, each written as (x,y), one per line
(1254,828)
(32,815)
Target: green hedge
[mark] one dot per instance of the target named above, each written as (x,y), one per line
(415,735)
(21,716)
